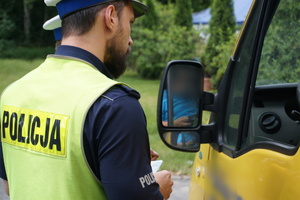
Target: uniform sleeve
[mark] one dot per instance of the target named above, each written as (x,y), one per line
(2,168)
(123,152)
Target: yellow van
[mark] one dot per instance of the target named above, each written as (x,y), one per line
(250,148)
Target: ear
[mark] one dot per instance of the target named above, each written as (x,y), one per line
(111,18)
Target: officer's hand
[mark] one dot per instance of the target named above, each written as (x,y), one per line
(6,188)
(163,178)
(154,155)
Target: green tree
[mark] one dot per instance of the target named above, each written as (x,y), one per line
(27,16)
(166,1)
(221,60)
(153,49)
(27,7)
(6,28)
(183,13)
(221,27)
(199,5)
(280,58)
(150,20)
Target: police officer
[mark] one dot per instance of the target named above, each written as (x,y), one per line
(68,130)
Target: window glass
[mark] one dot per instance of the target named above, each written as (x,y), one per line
(275,112)
(239,79)
(280,58)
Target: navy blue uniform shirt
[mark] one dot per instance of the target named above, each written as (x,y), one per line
(115,139)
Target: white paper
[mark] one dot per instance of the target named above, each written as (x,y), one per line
(156,165)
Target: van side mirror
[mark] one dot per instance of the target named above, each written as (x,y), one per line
(179,113)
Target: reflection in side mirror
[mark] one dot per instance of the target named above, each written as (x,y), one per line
(180,105)
(181,96)
(183,140)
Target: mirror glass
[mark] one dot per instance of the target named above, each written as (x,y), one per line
(183,140)
(181,95)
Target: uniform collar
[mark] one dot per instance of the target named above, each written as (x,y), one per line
(76,52)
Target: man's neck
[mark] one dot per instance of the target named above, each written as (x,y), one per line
(95,47)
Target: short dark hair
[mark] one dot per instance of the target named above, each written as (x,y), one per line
(82,21)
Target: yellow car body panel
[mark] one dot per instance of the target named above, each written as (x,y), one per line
(257,175)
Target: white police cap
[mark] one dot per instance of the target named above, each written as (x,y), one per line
(51,2)
(54,24)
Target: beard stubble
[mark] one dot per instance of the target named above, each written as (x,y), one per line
(114,58)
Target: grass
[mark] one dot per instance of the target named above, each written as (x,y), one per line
(175,161)
(13,69)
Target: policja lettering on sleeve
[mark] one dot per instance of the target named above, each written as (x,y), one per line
(148,179)
(35,130)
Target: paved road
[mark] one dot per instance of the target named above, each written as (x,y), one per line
(3,195)
(180,189)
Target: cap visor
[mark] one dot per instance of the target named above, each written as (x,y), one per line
(52,23)
(139,8)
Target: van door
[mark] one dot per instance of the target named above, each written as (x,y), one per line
(256,140)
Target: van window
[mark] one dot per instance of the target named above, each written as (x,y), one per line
(280,58)
(274,118)
(240,67)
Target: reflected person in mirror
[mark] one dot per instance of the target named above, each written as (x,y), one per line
(185,106)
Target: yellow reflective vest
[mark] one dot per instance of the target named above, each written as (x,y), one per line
(42,119)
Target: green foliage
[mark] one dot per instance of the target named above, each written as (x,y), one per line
(280,59)
(12,34)
(199,5)
(153,49)
(39,13)
(13,69)
(27,53)
(183,13)
(150,20)
(221,26)
(221,60)
(6,28)
(165,2)
(6,25)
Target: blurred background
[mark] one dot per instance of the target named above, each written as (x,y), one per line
(201,30)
